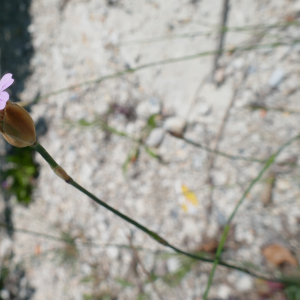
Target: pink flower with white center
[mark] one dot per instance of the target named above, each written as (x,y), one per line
(5,82)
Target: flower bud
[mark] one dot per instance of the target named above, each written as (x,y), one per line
(17,126)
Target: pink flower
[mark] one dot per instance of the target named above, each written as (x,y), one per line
(5,82)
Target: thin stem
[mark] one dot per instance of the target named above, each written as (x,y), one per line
(116,212)
(48,158)
(230,156)
(146,272)
(269,162)
(268,108)
(162,62)
(64,240)
(152,234)
(234,157)
(124,246)
(105,126)
(206,33)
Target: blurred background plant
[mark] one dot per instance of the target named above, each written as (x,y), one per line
(19,174)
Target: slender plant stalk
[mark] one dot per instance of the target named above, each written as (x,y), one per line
(93,244)
(145,271)
(62,174)
(227,155)
(64,240)
(206,33)
(269,162)
(105,126)
(270,108)
(163,62)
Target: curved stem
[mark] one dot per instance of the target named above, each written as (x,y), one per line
(227,155)
(61,173)
(268,163)
(116,212)
(163,62)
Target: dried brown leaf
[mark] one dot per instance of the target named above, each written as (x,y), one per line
(210,246)
(279,255)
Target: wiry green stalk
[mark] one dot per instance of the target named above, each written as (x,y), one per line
(269,162)
(61,173)
(160,63)
(67,241)
(279,109)
(113,130)
(227,155)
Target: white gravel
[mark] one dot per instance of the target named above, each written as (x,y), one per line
(87,40)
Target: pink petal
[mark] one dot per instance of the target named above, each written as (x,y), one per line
(2,104)
(6,81)
(4,96)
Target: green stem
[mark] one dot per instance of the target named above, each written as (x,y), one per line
(116,212)
(48,158)
(269,162)
(230,156)
(105,126)
(152,234)
(163,62)
(67,241)
(205,33)
(270,108)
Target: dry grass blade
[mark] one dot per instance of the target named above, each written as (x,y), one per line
(227,227)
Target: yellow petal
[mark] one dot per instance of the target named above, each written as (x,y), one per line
(189,195)
(184,207)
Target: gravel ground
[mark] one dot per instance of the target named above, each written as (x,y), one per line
(77,41)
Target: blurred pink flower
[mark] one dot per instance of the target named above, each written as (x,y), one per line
(5,82)
(275,285)
(5,184)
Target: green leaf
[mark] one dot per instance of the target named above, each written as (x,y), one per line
(84,123)
(151,121)
(131,158)
(293,293)
(21,169)
(86,279)
(151,153)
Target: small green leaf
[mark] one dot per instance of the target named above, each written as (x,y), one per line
(131,158)
(86,279)
(151,121)
(293,293)
(84,123)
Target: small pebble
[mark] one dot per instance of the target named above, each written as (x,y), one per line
(283,184)
(148,108)
(276,78)
(4,294)
(238,63)
(173,264)
(219,75)
(112,252)
(175,125)
(154,105)
(241,281)
(156,137)
(219,177)
(224,291)
(204,109)
(244,284)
